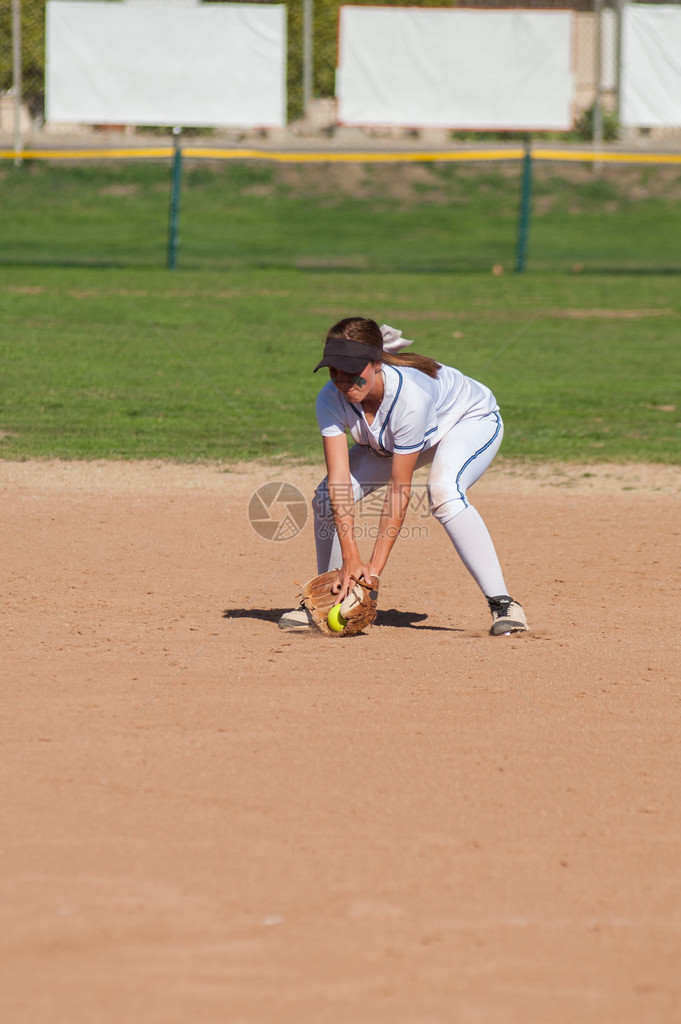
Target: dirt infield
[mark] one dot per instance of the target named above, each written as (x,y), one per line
(205,820)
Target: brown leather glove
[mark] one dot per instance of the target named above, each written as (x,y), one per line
(358,609)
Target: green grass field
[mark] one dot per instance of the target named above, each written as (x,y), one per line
(106,354)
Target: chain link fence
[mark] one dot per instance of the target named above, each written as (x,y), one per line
(22,33)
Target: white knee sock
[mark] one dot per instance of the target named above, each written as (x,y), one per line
(475,548)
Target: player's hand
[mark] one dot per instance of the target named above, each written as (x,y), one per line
(349,576)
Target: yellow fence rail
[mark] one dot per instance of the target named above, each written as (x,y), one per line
(328,156)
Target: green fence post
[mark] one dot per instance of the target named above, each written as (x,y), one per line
(175,191)
(525,200)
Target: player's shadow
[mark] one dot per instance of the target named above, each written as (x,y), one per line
(409,620)
(265,614)
(385,617)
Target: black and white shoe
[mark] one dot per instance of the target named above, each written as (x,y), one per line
(507,616)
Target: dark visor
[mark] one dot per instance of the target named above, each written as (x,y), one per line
(348,356)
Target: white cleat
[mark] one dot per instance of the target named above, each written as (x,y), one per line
(299,619)
(507,616)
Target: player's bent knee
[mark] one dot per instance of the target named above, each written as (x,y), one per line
(447,508)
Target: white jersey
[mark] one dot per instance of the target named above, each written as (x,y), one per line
(415,413)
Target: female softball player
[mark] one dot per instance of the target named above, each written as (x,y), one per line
(403,411)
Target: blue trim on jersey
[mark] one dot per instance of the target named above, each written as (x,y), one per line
(416,447)
(387,419)
(475,455)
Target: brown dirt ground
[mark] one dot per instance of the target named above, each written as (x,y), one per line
(205,820)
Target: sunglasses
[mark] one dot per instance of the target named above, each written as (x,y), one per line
(340,377)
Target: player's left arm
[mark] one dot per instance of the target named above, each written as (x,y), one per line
(394,509)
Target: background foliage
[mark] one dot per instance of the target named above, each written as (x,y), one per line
(33,51)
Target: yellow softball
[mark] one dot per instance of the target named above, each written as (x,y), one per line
(335,619)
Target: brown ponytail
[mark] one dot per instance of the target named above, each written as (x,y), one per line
(369,333)
(423,363)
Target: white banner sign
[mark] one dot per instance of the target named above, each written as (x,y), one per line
(419,67)
(651,66)
(166,64)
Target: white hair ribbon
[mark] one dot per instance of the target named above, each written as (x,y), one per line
(393,340)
